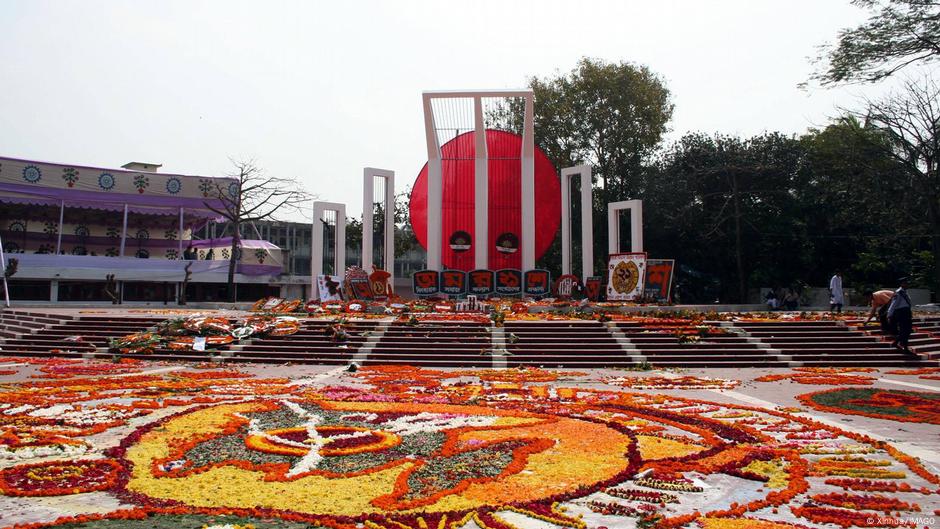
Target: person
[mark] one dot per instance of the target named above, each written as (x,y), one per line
(836,294)
(189,254)
(899,314)
(771,298)
(879,302)
(791,301)
(210,255)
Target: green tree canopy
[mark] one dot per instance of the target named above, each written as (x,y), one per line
(897,34)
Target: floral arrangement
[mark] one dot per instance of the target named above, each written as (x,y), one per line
(682,382)
(415,448)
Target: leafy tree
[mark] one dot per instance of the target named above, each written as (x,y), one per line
(909,120)
(898,33)
(609,115)
(254,196)
(725,207)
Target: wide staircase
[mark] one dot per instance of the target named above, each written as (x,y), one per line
(661,345)
(826,343)
(313,344)
(564,344)
(56,335)
(567,343)
(433,344)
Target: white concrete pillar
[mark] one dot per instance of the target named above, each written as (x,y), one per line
(528,186)
(481,189)
(435,188)
(368,191)
(636,225)
(316,243)
(587,218)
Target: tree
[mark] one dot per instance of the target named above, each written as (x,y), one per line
(253,196)
(720,203)
(898,33)
(609,115)
(910,122)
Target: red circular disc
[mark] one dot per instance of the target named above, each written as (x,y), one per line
(504,171)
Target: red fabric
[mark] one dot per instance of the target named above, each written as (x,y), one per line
(504,170)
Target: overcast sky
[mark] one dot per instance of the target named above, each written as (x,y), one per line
(318,90)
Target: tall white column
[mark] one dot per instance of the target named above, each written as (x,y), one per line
(435,188)
(636,225)
(566,220)
(368,192)
(316,243)
(481,190)
(528,187)
(587,223)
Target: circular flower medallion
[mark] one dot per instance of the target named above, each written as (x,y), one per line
(106,181)
(233,190)
(32,174)
(58,478)
(353,458)
(173,185)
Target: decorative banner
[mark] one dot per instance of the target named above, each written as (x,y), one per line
(592,287)
(481,282)
(426,282)
(566,286)
(453,282)
(538,283)
(329,288)
(357,284)
(659,272)
(508,282)
(625,275)
(378,279)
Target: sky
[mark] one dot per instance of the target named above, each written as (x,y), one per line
(319,90)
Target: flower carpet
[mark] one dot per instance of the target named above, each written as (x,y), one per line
(92,445)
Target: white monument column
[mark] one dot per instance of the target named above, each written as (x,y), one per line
(528,186)
(368,194)
(636,225)
(481,189)
(316,244)
(435,188)
(587,220)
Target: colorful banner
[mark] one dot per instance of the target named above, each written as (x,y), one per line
(481,282)
(426,282)
(566,286)
(658,286)
(329,288)
(537,283)
(592,287)
(453,282)
(508,282)
(358,285)
(626,273)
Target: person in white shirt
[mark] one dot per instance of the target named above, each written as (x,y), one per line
(836,295)
(899,314)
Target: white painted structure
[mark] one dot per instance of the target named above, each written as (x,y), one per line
(636,225)
(316,248)
(587,220)
(368,195)
(481,177)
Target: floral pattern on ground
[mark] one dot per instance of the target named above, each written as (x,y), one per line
(415,448)
(897,405)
